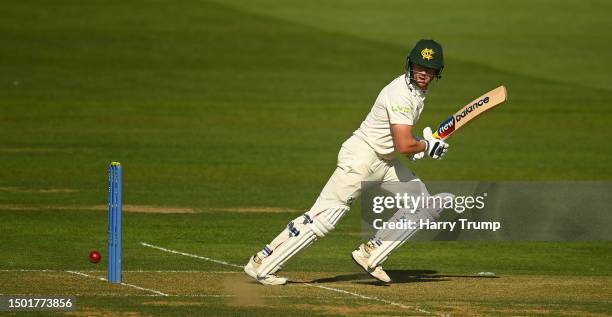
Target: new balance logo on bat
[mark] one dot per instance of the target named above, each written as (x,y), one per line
(469,109)
(447,127)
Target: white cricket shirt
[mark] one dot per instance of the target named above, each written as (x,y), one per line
(400,102)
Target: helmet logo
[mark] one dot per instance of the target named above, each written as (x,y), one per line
(427,53)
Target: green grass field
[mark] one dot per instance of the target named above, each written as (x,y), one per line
(227,118)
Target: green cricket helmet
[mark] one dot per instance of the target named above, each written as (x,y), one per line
(426,53)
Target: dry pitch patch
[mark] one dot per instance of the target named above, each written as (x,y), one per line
(333,292)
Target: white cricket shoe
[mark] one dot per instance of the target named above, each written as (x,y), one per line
(361,259)
(270,279)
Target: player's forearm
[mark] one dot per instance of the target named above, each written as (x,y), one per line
(410,146)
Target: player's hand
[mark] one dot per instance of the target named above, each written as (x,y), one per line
(435,148)
(418,156)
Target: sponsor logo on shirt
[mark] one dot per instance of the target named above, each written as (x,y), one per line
(405,109)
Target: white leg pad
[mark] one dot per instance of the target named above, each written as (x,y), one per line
(326,220)
(387,241)
(298,235)
(284,252)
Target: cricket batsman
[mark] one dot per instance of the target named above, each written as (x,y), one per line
(368,155)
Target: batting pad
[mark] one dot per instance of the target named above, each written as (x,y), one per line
(390,240)
(300,233)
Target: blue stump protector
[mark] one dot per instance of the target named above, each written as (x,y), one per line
(114,222)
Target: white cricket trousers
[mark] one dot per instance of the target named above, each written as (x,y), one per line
(357,162)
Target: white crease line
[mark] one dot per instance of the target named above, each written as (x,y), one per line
(369,297)
(124,271)
(187,296)
(86,275)
(122,283)
(144,289)
(30,270)
(190,255)
(307,284)
(171,271)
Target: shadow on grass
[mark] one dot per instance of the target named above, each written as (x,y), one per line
(397,276)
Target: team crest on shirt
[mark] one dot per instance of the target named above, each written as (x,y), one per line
(427,53)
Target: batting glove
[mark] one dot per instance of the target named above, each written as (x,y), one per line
(435,148)
(418,156)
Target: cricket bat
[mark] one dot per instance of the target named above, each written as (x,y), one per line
(470,112)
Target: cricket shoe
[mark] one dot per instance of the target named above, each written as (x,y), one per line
(251,270)
(360,256)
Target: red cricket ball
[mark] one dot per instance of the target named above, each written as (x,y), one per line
(94,256)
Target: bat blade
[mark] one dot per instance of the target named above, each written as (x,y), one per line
(470,112)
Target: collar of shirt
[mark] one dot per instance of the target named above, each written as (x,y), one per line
(414,90)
